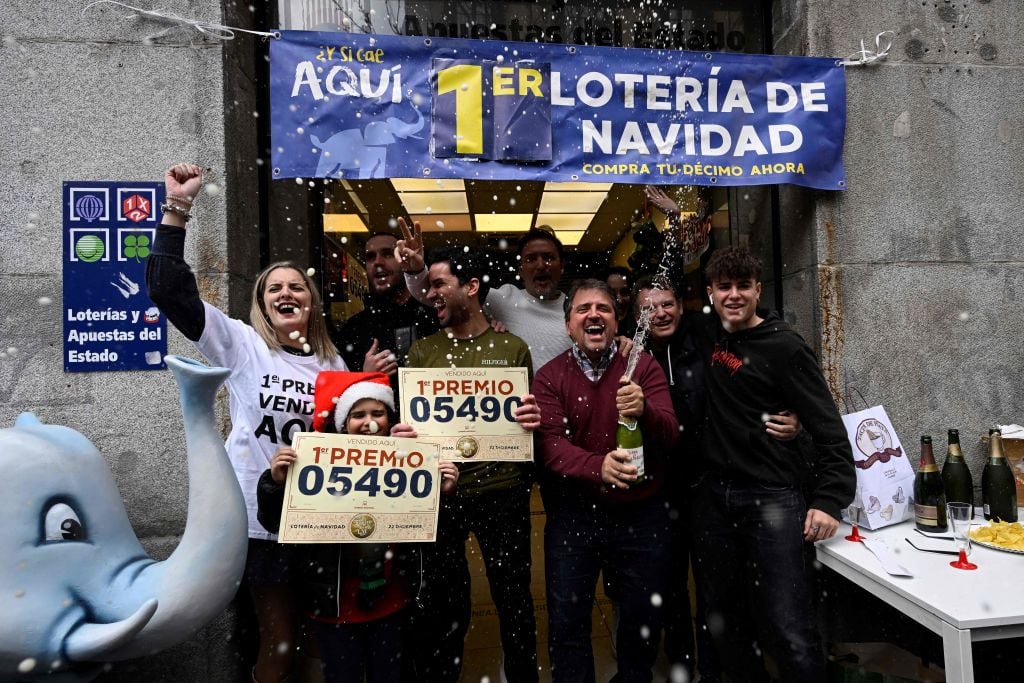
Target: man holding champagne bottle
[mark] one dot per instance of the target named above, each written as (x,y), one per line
(600,516)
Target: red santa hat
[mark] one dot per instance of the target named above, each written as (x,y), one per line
(338,391)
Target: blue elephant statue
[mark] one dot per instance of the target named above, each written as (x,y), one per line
(364,150)
(76,588)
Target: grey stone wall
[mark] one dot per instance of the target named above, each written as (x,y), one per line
(87,96)
(919,266)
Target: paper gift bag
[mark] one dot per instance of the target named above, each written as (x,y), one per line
(885,477)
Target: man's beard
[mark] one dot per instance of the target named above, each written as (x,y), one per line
(385,291)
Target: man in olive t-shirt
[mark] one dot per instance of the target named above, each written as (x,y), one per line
(492,499)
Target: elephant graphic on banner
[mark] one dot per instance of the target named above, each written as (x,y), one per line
(363,150)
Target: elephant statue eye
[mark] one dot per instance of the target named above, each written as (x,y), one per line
(61,523)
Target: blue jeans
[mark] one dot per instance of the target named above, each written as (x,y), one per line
(630,543)
(749,548)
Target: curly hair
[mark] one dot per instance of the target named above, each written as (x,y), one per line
(732,263)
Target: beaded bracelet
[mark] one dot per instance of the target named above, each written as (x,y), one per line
(187,201)
(174,208)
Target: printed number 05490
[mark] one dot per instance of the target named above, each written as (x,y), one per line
(489,409)
(339,483)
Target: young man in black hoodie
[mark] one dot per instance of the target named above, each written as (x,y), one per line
(673,341)
(757,500)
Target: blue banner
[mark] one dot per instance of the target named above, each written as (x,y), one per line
(109,321)
(359,106)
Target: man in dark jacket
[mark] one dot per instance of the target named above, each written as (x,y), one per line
(756,500)
(378,338)
(673,343)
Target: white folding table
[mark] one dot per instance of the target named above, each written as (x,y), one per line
(960,606)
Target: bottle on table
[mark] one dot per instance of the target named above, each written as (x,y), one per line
(629,438)
(929,493)
(998,489)
(956,475)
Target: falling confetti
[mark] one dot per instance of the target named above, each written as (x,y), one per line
(678,674)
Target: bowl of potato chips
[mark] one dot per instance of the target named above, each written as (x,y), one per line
(1008,536)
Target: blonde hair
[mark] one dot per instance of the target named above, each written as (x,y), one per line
(316,333)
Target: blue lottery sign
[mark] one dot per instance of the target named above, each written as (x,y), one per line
(359,106)
(109,321)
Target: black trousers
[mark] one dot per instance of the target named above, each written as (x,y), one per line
(501,522)
(373,648)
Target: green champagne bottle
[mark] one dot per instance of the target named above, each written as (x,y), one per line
(956,475)
(929,495)
(998,489)
(630,438)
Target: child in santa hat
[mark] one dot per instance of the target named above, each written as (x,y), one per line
(354,593)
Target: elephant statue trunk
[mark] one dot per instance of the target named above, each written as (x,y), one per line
(194,584)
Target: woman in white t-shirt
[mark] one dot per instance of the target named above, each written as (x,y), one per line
(274,364)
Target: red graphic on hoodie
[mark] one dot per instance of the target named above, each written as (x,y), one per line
(727,359)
